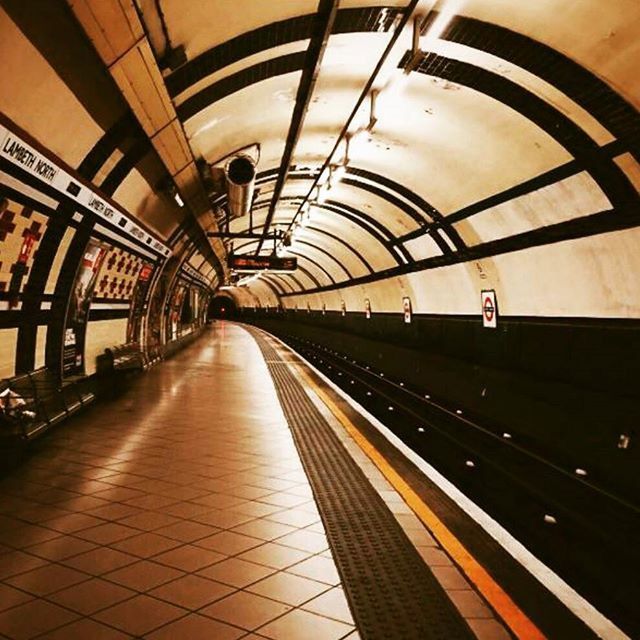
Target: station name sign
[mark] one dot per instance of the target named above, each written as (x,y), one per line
(23,155)
(262,263)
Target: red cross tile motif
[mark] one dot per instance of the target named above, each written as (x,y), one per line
(7,225)
(102,285)
(33,230)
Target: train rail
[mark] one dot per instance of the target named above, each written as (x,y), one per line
(580,529)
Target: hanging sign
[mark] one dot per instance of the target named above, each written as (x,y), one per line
(489,309)
(249,264)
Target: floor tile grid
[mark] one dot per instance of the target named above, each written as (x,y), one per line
(302,604)
(69,462)
(258,543)
(471,605)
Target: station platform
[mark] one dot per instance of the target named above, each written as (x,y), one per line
(232,493)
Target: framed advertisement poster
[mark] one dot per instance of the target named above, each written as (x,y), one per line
(78,309)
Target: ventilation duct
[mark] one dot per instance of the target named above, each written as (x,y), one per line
(241,176)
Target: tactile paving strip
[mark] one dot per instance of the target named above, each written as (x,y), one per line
(392,592)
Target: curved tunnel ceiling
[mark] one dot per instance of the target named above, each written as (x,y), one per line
(501,153)
(506,134)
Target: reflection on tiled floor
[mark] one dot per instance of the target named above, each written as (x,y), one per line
(179,511)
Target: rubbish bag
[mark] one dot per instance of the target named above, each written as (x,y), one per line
(15,413)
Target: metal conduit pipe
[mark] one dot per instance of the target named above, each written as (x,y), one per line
(240,173)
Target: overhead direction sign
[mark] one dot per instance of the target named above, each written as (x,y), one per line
(489,309)
(247,263)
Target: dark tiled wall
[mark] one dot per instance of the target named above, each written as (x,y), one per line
(566,387)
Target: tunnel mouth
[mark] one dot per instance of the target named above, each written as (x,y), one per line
(221,307)
(241,170)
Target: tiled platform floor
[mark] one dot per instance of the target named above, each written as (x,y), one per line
(178,511)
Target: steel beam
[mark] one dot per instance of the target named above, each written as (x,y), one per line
(325,17)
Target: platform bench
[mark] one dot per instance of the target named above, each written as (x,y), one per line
(115,364)
(50,400)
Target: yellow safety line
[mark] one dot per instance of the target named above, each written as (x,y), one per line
(505,607)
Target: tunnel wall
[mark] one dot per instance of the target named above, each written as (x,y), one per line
(98,288)
(85,226)
(540,382)
(594,355)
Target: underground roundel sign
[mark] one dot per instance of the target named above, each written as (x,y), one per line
(489,309)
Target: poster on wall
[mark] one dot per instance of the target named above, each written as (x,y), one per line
(367,308)
(135,324)
(79,304)
(406,308)
(175,307)
(155,314)
(489,308)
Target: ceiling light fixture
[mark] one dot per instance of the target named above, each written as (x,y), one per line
(339,172)
(434,31)
(330,173)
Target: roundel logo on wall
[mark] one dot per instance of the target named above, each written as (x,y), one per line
(406,309)
(489,308)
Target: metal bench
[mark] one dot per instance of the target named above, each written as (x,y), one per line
(50,401)
(115,364)
(125,357)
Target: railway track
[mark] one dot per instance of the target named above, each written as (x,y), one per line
(582,530)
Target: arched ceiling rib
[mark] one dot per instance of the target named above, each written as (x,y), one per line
(275,33)
(304,257)
(510,131)
(611,179)
(316,230)
(361,230)
(402,201)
